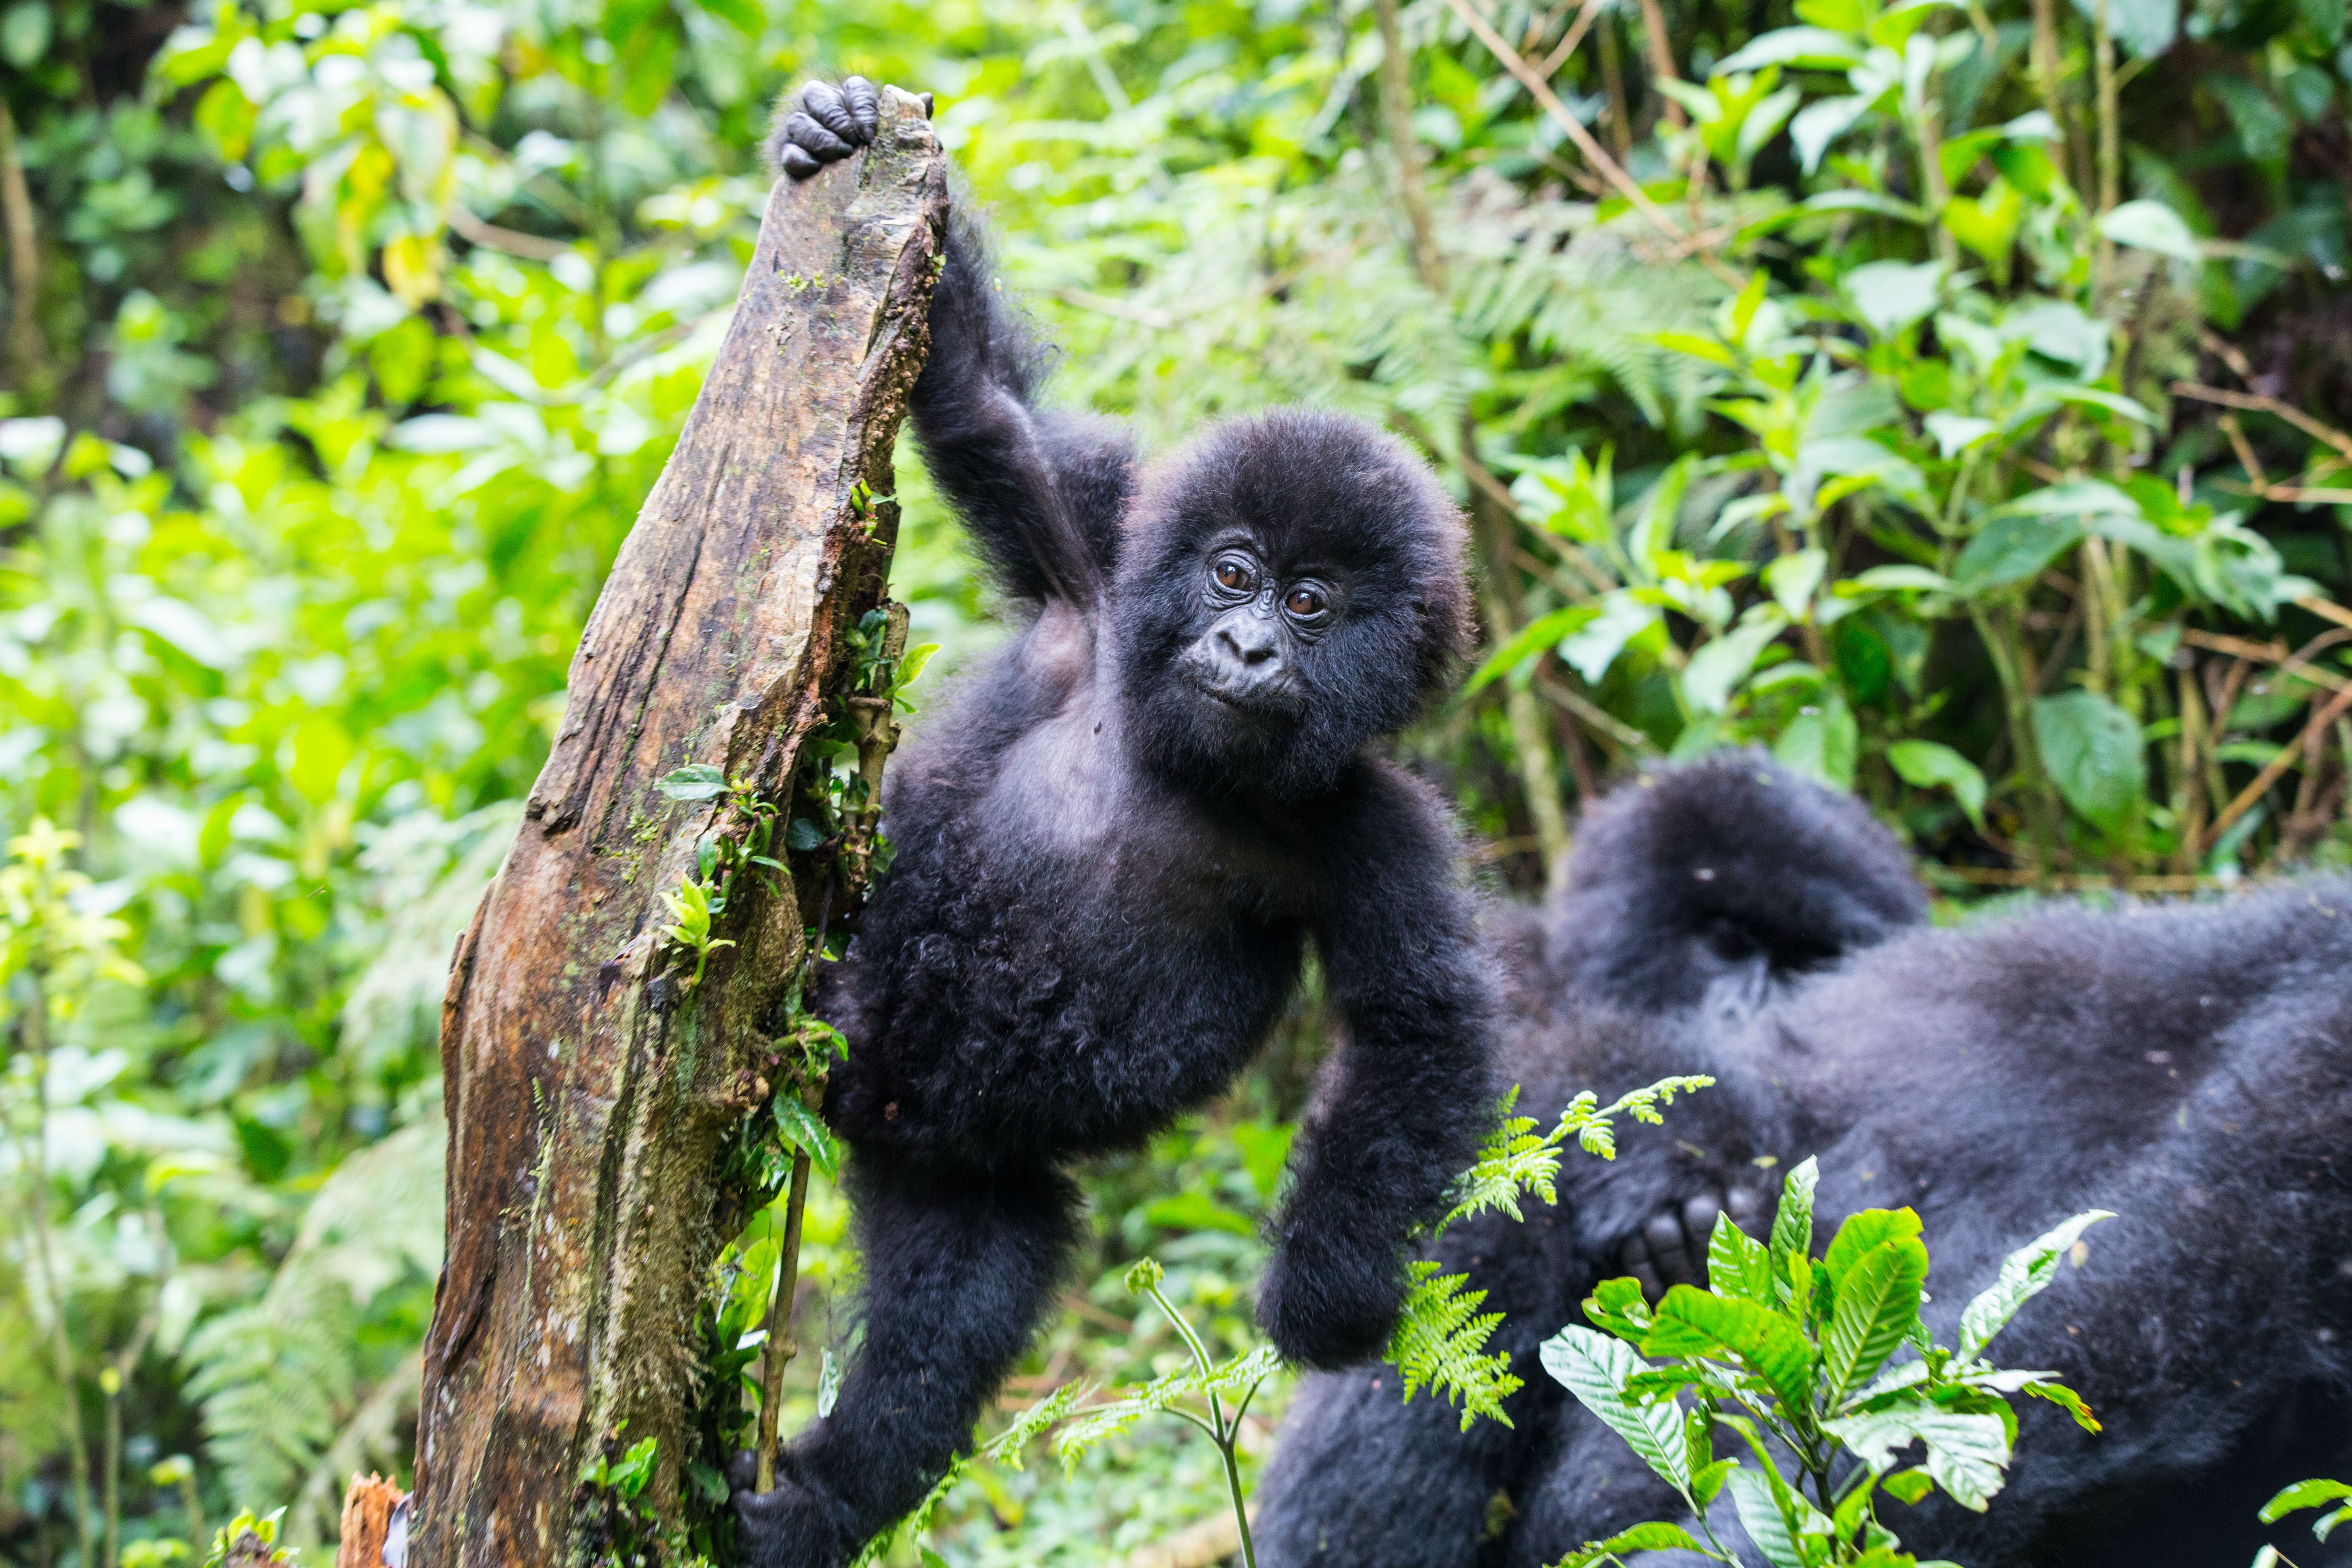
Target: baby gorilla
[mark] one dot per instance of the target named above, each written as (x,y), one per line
(1112,851)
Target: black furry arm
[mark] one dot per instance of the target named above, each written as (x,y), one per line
(1405,1097)
(1040,489)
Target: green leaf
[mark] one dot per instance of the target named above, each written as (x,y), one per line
(2014,548)
(1818,125)
(1736,1265)
(1926,764)
(1823,742)
(1793,578)
(2145,28)
(2302,1495)
(1592,648)
(1814,48)
(1877,1306)
(1440,1343)
(1197,1211)
(1772,1514)
(2023,1274)
(1694,1322)
(1906,1487)
(1619,1306)
(696,781)
(2066,1399)
(1529,640)
(1640,1538)
(1716,671)
(1891,295)
(2093,752)
(1236,1377)
(1793,1224)
(1967,1452)
(1956,433)
(804,1132)
(1596,1368)
(2151,225)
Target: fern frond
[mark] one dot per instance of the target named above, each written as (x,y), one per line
(1235,1378)
(1440,1344)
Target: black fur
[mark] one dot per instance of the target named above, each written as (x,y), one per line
(2184,1066)
(1112,852)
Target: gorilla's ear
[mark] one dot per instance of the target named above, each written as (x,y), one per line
(1731,867)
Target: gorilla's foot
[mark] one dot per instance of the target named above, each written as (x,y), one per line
(1672,1248)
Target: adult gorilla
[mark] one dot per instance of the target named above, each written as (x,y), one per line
(2185,1066)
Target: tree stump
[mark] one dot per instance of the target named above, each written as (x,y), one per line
(591,1086)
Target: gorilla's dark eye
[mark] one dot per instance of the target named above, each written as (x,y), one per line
(1232,573)
(1304,602)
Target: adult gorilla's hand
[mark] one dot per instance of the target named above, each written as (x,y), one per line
(830,124)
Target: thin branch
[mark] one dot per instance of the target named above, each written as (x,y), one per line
(2278,408)
(25,345)
(513,242)
(1585,16)
(1662,58)
(1610,170)
(1396,121)
(2276,768)
(2291,663)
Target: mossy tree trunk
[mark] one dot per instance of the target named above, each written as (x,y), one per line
(592,1086)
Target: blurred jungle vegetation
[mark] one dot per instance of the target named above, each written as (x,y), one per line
(1948,397)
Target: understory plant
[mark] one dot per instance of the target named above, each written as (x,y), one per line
(1791,1360)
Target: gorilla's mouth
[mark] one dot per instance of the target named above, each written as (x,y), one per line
(1263,703)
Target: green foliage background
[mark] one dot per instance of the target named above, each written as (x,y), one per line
(348,339)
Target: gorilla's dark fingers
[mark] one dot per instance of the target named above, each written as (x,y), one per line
(1633,1258)
(824,104)
(1746,1207)
(797,160)
(803,131)
(1698,1228)
(865,106)
(1664,1236)
(925,98)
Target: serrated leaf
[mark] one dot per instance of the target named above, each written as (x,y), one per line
(1596,1369)
(1236,1377)
(1440,1344)
(1762,1516)
(1737,1264)
(2023,1274)
(1691,1323)
(1793,1222)
(1967,1452)
(1618,1306)
(1877,1302)
(1640,1538)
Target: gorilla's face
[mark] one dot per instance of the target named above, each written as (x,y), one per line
(1290,588)
(1252,659)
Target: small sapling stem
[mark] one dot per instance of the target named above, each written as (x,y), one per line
(780,1346)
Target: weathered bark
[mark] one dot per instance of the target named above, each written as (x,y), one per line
(589,1088)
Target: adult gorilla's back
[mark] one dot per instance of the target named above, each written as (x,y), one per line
(2185,1066)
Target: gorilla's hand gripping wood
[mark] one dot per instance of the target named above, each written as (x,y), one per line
(591,1089)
